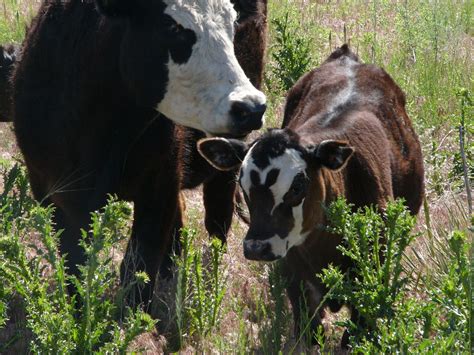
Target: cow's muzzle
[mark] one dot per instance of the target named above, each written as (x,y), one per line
(246,117)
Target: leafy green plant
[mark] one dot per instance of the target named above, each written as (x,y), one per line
(377,286)
(291,53)
(88,321)
(375,283)
(200,289)
(209,289)
(435,324)
(274,315)
(14,204)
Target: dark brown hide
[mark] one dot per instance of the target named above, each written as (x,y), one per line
(250,38)
(387,162)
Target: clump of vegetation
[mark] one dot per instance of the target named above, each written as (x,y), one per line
(291,52)
(200,289)
(275,316)
(86,322)
(381,291)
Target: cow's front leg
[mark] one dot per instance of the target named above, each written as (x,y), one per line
(219,203)
(155,220)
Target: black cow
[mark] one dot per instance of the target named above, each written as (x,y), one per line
(218,187)
(95,79)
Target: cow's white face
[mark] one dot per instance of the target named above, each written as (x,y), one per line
(210,91)
(278,178)
(178,57)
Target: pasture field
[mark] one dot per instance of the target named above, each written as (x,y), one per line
(219,302)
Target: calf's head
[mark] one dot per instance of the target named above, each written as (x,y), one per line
(178,57)
(282,184)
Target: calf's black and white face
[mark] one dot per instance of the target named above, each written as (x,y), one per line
(178,57)
(275,178)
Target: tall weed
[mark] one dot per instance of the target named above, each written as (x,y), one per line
(86,322)
(274,315)
(390,319)
(291,52)
(200,289)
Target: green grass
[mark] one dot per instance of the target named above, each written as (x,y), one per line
(14,19)
(226,304)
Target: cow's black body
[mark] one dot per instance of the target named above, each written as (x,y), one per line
(86,122)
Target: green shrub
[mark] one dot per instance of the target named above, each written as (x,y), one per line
(393,319)
(14,204)
(87,322)
(200,289)
(274,315)
(291,52)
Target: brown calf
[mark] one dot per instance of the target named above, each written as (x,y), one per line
(346,133)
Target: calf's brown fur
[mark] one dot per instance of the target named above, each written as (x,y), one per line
(347,123)
(386,164)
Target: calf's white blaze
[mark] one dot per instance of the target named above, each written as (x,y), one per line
(280,246)
(289,165)
(200,92)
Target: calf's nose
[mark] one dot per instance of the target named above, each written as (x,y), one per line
(256,249)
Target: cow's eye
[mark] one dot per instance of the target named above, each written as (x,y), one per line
(297,188)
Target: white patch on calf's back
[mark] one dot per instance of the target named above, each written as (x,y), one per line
(346,94)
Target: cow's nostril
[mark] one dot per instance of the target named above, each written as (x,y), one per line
(247,116)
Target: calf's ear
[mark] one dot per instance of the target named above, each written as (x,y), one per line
(223,154)
(332,154)
(117,8)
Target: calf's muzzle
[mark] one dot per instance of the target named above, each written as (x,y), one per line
(258,250)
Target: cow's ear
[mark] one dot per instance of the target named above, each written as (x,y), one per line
(223,154)
(117,8)
(332,154)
